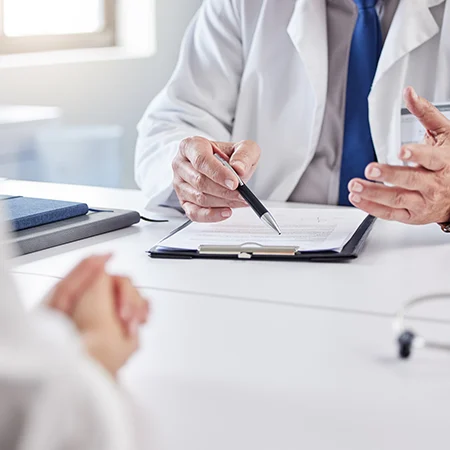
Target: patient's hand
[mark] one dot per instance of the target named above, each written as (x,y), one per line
(107,310)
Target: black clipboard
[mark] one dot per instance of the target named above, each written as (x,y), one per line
(351,250)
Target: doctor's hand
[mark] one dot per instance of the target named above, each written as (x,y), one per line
(206,189)
(419,194)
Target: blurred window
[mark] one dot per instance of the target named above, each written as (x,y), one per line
(44,25)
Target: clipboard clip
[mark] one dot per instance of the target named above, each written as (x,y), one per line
(245,251)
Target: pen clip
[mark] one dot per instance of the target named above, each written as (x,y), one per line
(227,165)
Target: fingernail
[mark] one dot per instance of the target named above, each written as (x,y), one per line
(354,198)
(357,187)
(230,184)
(414,94)
(239,167)
(375,172)
(406,154)
(226,214)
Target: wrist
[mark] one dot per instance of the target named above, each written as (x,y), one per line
(99,350)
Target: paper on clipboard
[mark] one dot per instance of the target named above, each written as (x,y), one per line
(308,230)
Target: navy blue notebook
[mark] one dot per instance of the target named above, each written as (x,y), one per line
(27,212)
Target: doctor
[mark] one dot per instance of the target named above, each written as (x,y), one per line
(304,97)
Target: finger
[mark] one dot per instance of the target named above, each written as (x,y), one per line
(188,193)
(138,307)
(245,158)
(200,153)
(429,157)
(133,328)
(429,116)
(224,149)
(412,178)
(380,211)
(145,311)
(430,138)
(206,215)
(394,197)
(77,281)
(122,289)
(141,308)
(130,305)
(202,183)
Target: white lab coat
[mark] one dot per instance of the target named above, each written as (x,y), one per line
(52,396)
(258,69)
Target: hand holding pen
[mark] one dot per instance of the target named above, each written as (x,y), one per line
(207,191)
(253,201)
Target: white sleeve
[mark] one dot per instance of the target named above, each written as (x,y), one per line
(60,405)
(75,395)
(52,395)
(74,407)
(199,100)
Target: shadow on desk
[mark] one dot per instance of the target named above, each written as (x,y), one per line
(77,245)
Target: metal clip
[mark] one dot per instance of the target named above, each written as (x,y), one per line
(244,252)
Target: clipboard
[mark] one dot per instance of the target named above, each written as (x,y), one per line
(350,251)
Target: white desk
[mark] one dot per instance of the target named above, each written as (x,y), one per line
(398,263)
(214,373)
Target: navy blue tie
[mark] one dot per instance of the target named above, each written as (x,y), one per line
(358,149)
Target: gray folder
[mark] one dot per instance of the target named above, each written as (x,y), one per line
(52,235)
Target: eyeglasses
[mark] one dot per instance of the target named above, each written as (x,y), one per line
(407,338)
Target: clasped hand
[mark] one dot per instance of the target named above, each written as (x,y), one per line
(107,311)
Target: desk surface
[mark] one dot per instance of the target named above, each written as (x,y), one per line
(214,373)
(398,263)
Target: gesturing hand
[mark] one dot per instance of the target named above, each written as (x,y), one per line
(205,188)
(419,194)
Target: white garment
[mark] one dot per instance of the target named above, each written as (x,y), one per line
(258,69)
(52,395)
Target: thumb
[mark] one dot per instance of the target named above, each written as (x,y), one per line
(245,158)
(429,116)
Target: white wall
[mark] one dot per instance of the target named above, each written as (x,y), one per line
(107,92)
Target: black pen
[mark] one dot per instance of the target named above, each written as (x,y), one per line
(252,200)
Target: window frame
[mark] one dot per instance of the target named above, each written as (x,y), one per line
(107,37)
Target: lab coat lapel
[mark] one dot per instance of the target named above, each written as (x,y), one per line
(413,25)
(308,32)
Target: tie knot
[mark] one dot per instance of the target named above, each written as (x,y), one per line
(365,4)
